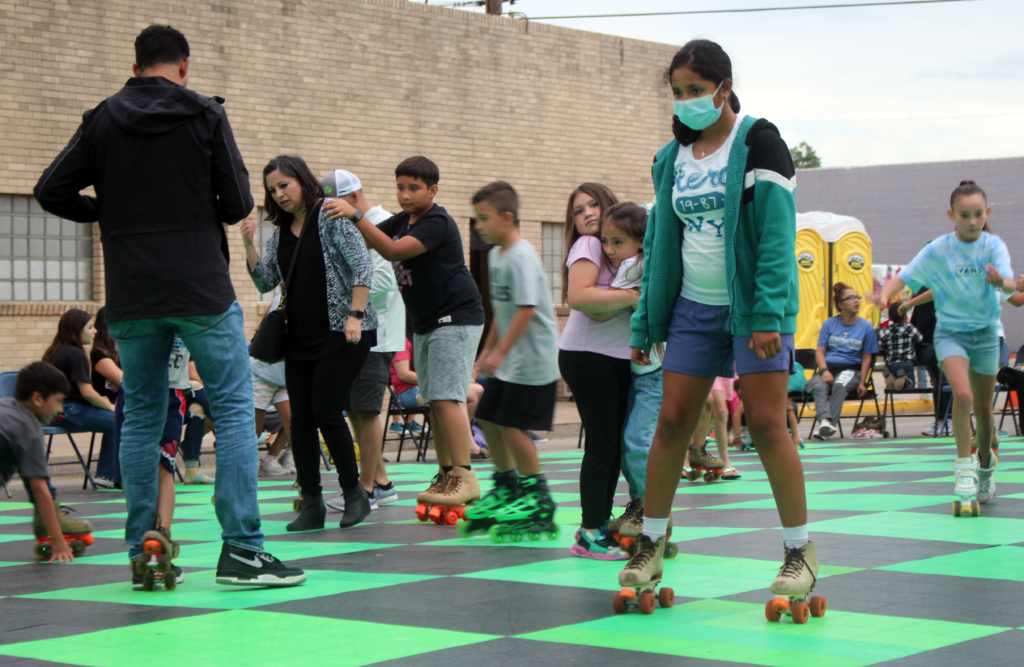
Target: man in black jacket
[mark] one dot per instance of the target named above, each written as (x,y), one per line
(167,173)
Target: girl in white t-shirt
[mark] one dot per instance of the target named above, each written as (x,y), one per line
(593,359)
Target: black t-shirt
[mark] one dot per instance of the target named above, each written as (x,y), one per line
(923,318)
(309,326)
(72,362)
(99,383)
(436,286)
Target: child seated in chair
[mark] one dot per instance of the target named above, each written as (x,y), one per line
(898,342)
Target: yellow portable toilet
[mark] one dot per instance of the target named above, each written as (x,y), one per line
(830,248)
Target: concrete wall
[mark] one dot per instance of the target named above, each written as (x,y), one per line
(904,206)
(486,97)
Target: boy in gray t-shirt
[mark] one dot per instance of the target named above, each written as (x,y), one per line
(38,397)
(521,356)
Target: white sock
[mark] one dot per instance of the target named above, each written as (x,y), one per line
(795,536)
(655,528)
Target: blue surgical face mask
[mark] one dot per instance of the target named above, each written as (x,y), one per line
(699,112)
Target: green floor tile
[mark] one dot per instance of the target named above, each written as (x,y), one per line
(6,519)
(691,575)
(922,526)
(244,637)
(755,487)
(206,554)
(10,506)
(202,531)
(735,631)
(1003,562)
(199,592)
(854,502)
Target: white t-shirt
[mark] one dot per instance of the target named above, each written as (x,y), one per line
(628,276)
(698,198)
(177,365)
(384,294)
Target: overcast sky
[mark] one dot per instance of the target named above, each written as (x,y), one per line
(829,77)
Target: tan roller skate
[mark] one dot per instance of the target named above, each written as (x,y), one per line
(703,464)
(154,569)
(630,525)
(448,506)
(642,576)
(77,533)
(437,485)
(796,579)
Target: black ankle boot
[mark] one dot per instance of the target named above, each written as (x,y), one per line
(357,506)
(311,514)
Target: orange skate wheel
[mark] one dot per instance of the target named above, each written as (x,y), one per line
(628,594)
(771,613)
(421,511)
(170,580)
(646,603)
(619,604)
(153,547)
(666,597)
(817,606)
(800,612)
(436,514)
(451,518)
(88,539)
(624,542)
(781,605)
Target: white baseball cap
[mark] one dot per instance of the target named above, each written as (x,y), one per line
(338,183)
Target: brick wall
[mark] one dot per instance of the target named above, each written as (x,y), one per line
(543,107)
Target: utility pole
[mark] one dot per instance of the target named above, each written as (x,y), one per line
(494,7)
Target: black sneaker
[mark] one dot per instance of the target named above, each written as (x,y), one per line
(241,567)
(179,577)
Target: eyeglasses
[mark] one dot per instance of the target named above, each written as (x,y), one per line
(855,297)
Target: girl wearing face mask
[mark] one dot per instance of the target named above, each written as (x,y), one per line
(720,288)
(970,276)
(593,359)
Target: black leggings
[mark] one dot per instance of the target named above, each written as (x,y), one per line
(317,390)
(600,385)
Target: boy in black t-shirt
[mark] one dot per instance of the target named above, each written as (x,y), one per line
(38,397)
(425,247)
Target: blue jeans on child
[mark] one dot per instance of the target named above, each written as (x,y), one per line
(217,344)
(643,406)
(85,418)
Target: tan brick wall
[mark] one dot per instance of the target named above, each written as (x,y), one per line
(542,107)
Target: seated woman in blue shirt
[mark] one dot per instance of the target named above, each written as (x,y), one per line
(845,347)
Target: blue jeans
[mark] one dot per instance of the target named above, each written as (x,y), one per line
(217,344)
(904,368)
(642,410)
(84,418)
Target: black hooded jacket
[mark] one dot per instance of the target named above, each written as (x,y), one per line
(167,173)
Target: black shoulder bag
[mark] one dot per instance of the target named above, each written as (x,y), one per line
(268,343)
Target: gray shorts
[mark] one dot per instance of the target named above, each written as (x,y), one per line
(444,361)
(367,393)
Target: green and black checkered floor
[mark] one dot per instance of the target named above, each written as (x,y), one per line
(907,584)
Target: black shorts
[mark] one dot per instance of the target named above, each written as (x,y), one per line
(518,406)
(370,386)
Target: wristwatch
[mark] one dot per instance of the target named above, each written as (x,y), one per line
(358,314)
(357,216)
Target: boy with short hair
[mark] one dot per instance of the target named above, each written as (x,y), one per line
(38,397)
(424,245)
(521,356)
(898,342)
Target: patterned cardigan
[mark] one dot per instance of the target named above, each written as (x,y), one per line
(348,264)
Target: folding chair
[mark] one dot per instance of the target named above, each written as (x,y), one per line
(869,383)
(889,401)
(7,383)
(422,441)
(805,358)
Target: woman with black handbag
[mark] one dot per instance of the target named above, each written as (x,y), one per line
(330,327)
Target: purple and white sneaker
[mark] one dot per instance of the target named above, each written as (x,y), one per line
(599,546)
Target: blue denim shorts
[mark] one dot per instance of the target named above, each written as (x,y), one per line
(700,344)
(981,348)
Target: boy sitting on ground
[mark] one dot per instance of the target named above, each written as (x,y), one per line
(38,397)
(898,342)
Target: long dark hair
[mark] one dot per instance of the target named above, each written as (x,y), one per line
(102,340)
(965,189)
(69,332)
(605,198)
(295,167)
(632,219)
(709,61)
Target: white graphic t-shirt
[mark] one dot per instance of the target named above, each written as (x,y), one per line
(698,198)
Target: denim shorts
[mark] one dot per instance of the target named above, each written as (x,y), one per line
(700,344)
(981,348)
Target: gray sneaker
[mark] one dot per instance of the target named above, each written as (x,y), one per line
(338,504)
(385,496)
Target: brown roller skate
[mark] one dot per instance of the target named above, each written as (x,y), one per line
(642,576)
(423,498)
(703,464)
(796,580)
(77,533)
(448,506)
(154,569)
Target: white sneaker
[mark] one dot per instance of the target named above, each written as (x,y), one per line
(826,431)
(965,477)
(987,480)
(287,461)
(930,431)
(270,467)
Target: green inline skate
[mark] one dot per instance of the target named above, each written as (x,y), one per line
(479,517)
(532,515)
